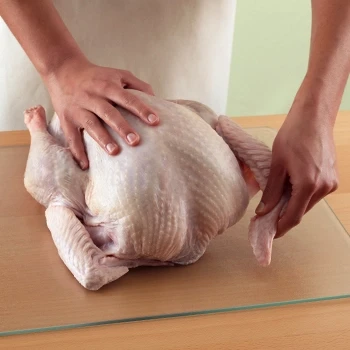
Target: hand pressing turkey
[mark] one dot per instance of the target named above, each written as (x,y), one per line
(83,94)
(303,162)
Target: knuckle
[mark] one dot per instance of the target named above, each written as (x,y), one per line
(112,117)
(143,111)
(326,186)
(90,123)
(103,141)
(118,75)
(123,128)
(124,74)
(103,85)
(88,84)
(70,142)
(74,148)
(295,221)
(108,113)
(329,185)
(84,95)
(333,185)
(335,181)
(102,137)
(130,101)
(308,185)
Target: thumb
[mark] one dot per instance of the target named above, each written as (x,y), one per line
(273,190)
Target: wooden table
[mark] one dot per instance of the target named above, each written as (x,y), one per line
(322,325)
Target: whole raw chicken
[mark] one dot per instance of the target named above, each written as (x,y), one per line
(160,203)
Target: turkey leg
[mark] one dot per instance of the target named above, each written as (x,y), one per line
(44,178)
(89,265)
(46,182)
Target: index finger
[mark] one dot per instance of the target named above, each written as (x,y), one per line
(131,103)
(295,210)
(75,143)
(137,84)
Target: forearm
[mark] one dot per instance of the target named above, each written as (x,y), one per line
(329,60)
(41,32)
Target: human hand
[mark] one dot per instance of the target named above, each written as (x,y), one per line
(303,162)
(83,94)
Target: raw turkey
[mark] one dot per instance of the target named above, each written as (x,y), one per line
(160,203)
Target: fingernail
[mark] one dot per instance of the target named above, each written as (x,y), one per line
(82,164)
(131,137)
(260,208)
(152,118)
(111,147)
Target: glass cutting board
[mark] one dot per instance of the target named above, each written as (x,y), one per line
(39,293)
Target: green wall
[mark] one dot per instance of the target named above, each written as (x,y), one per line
(269,58)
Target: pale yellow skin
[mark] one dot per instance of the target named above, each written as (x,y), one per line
(159,203)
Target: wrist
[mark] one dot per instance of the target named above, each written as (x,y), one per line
(318,98)
(61,60)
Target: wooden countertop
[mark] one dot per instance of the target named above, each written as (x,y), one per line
(321,325)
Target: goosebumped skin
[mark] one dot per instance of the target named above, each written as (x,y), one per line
(257,159)
(160,203)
